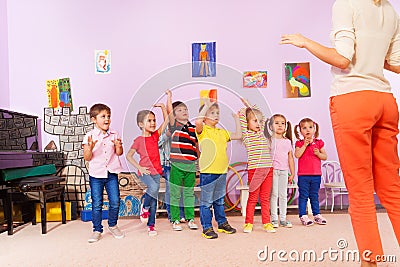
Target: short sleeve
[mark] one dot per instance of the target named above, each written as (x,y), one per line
(298,143)
(393,54)
(135,144)
(289,145)
(320,143)
(200,136)
(227,135)
(343,33)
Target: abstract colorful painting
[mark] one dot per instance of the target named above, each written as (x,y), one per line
(210,94)
(59,94)
(255,79)
(203,59)
(102,59)
(297,80)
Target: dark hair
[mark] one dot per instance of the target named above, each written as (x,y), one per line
(298,126)
(177,104)
(141,115)
(269,123)
(214,105)
(97,108)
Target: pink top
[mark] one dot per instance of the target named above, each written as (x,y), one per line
(280,152)
(309,163)
(147,148)
(104,159)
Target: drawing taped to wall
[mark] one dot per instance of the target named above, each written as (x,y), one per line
(208,94)
(255,79)
(102,59)
(59,94)
(297,80)
(203,59)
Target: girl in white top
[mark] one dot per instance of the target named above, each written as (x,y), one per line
(364,113)
(283,163)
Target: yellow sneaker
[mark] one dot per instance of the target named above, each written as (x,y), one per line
(248,227)
(269,228)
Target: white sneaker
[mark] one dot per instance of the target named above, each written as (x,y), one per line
(275,224)
(144,214)
(116,232)
(176,226)
(151,231)
(94,237)
(192,225)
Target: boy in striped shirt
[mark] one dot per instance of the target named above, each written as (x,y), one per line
(183,157)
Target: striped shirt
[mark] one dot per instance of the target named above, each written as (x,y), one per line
(257,146)
(164,145)
(183,142)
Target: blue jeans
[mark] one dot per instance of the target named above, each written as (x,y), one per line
(150,198)
(167,200)
(308,189)
(213,190)
(97,187)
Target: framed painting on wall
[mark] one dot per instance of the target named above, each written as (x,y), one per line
(102,59)
(203,59)
(255,79)
(297,80)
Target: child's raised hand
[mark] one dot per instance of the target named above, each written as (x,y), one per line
(159,105)
(235,115)
(168,93)
(91,143)
(207,101)
(144,170)
(117,142)
(245,102)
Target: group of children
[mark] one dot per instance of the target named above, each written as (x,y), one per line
(270,166)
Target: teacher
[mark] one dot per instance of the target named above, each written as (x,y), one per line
(364,113)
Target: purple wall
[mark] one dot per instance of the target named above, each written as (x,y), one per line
(4,88)
(54,39)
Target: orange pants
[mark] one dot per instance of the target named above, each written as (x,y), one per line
(365,126)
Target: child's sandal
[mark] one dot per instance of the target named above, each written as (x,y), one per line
(306,221)
(319,219)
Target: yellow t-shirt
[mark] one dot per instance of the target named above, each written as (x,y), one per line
(213,144)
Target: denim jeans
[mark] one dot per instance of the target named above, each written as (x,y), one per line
(97,187)
(308,189)
(167,200)
(150,198)
(213,190)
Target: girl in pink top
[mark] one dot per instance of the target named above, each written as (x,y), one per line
(310,151)
(283,163)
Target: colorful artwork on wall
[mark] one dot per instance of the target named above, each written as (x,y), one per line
(210,94)
(255,79)
(59,94)
(297,80)
(203,59)
(102,59)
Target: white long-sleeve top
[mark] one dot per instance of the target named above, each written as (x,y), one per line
(367,35)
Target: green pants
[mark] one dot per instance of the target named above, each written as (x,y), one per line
(182,177)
